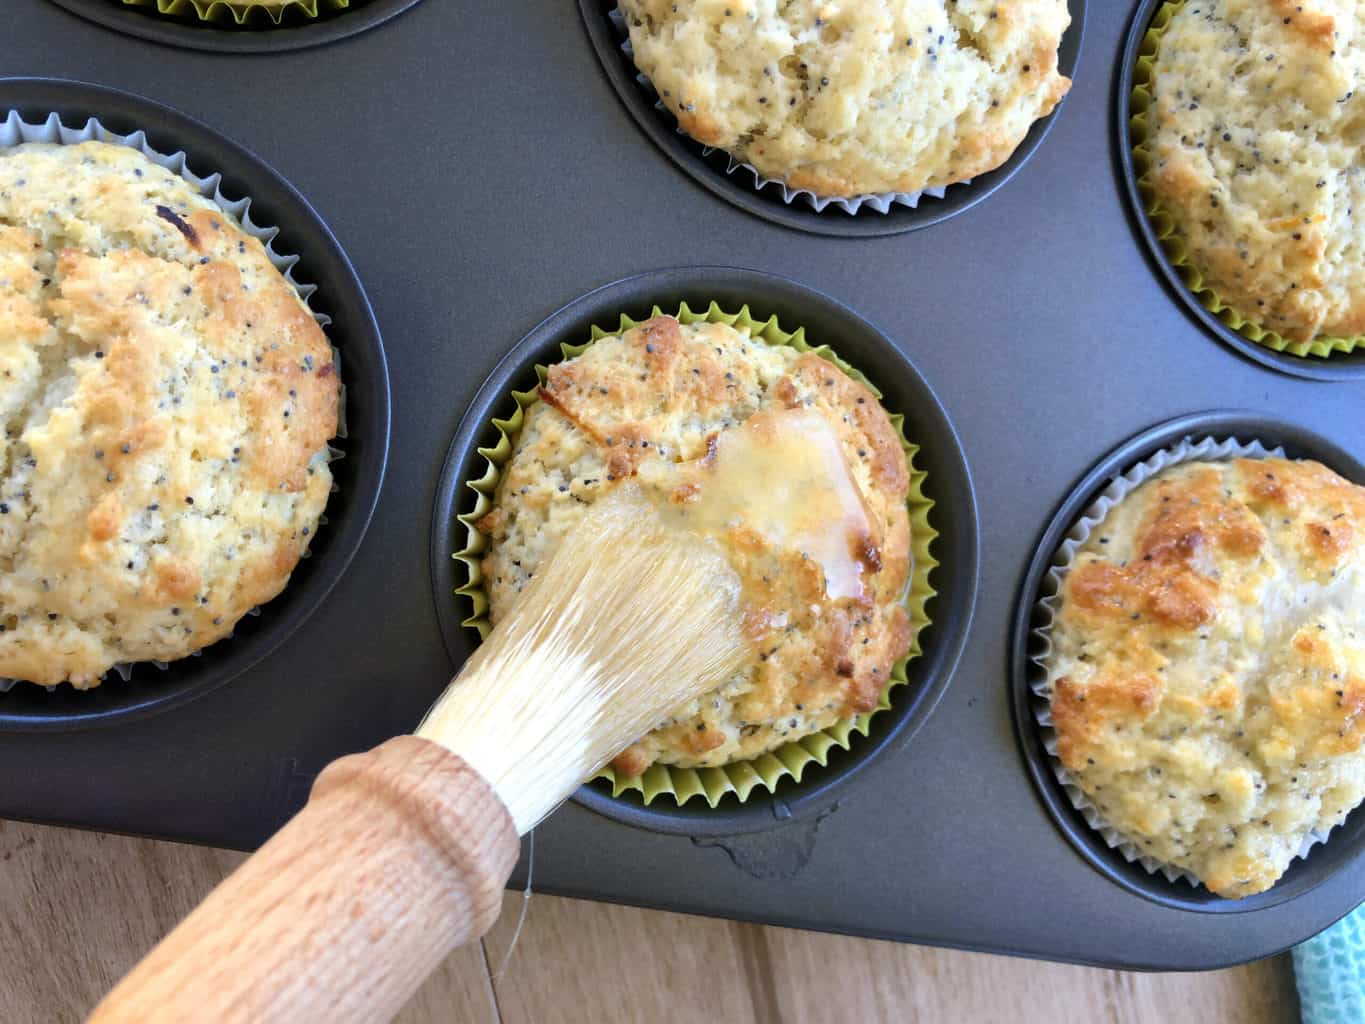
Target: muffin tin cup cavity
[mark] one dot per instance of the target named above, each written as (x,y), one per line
(741,184)
(739,778)
(68,113)
(791,786)
(1214,436)
(230,28)
(1321,359)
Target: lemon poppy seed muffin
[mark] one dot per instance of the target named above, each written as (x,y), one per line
(654,407)
(167,400)
(1256,141)
(1207,675)
(849,98)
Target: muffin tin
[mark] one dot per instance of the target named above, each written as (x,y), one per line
(708,167)
(513,181)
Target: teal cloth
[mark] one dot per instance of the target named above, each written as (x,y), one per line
(1329,970)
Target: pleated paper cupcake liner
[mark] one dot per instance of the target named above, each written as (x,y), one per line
(878,202)
(792,759)
(248,14)
(14,131)
(1188,450)
(1140,133)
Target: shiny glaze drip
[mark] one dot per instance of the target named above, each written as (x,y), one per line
(781,477)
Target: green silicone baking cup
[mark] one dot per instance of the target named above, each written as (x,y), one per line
(1140,136)
(790,760)
(245,15)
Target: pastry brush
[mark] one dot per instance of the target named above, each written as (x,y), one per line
(401,853)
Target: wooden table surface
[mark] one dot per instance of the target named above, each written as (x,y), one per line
(77,909)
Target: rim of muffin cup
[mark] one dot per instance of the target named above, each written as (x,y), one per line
(238,27)
(738,183)
(1318,360)
(1075,819)
(69,113)
(946,482)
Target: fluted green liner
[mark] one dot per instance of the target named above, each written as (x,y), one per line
(791,759)
(246,15)
(1140,136)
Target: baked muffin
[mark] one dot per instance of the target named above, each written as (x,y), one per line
(1207,675)
(653,408)
(1255,146)
(167,400)
(847,99)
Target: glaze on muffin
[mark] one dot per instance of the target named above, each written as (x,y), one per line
(650,407)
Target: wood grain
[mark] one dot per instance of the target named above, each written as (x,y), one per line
(618,965)
(882,981)
(398,858)
(709,970)
(78,909)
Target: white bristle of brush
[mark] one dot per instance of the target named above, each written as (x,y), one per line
(625,622)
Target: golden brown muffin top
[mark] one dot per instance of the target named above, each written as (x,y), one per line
(1208,665)
(167,399)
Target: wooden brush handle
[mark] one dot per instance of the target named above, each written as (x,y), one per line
(400,855)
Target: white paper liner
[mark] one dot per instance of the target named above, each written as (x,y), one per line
(880,202)
(1206,449)
(15,130)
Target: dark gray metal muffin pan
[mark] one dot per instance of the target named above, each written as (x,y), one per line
(479,169)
